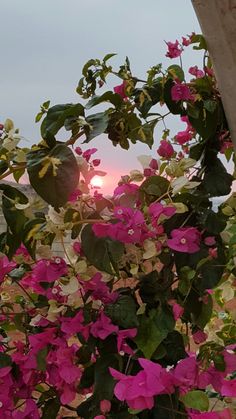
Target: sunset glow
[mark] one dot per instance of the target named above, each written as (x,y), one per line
(97,182)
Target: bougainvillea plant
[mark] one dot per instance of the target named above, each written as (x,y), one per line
(134,321)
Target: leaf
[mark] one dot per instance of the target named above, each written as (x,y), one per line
(103,253)
(51,409)
(175,71)
(97,125)
(102,375)
(147,97)
(108,56)
(144,133)
(109,96)
(41,359)
(206,122)
(5,360)
(56,117)
(205,315)
(14,217)
(215,170)
(123,312)
(174,347)
(154,187)
(196,399)
(149,336)
(57,182)
(210,105)
(214,222)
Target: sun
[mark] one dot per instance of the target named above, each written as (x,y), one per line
(96,182)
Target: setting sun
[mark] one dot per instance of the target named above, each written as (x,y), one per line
(96,182)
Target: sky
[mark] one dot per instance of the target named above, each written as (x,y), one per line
(44,45)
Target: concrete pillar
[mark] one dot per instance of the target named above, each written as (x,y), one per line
(217,19)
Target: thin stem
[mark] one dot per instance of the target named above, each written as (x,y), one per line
(74,138)
(26,292)
(173,410)
(11,170)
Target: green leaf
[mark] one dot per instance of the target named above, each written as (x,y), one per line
(205,315)
(56,117)
(175,71)
(174,347)
(108,56)
(210,105)
(41,359)
(196,399)
(51,409)
(5,360)
(109,96)
(216,182)
(14,217)
(197,150)
(97,125)
(206,122)
(103,381)
(103,253)
(149,336)
(214,222)
(147,97)
(144,133)
(154,187)
(123,312)
(57,182)
(200,40)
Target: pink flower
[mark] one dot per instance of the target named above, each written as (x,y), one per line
(156,210)
(88,153)
(177,311)
(5,267)
(122,335)
(180,91)
(75,195)
(121,90)
(183,137)
(72,325)
(174,49)
(153,164)
(139,390)
(213,253)
(186,42)
(196,72)
(223,414)
(78,151)
(30,411)
(185,239)
(105,406)
(228,388)
(165,150)
(77,248)
(103,327)
(126,188)
(199,337)
(99,289)
(49,270)
(96,162)
(210,240)
(185,374)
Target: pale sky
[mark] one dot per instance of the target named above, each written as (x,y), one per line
(45,43)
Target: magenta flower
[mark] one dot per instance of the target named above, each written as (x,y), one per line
(177,311)
(46,270)
(121,344)
(88,153)
(5,267)
(156,210)
(196,72)
(105,406)
(185,374)
(185,239)
(228,388)
(165,150)
(174,49)
(121,90)
(30,411)
(99,289)
(103,327)
(72,325)
(180,91)
(223,414)
(185,41)
(183,137)
(139,390)
(199,337)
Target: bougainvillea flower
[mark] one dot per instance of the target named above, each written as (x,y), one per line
(103,327)
(180,91)
(88,153)
(5,267)
(156,210)
(30,411)
(105,406)
(122,335)
(228,388)
(46,270)
(185,41)
(174,49)
(121,90)
(186,373)
(183,137)
(178,311)
(185,239)
(223,414)
(196,72)
(100,290)
(199,337)
(165,150)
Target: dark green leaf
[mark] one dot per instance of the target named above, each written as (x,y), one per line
(154,187)
(123,312)
(103,381)
(175,71)
(5,360)
(97,125)
(14,217)
(216,182)
(56,117)
(41,359)
(51,409)
(109,96)
(103,253)
(57,183)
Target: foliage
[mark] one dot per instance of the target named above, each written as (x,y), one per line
(133,321)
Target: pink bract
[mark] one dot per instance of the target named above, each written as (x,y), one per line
(180,91)
(174,49)
(165,150)
(185,239)
(120,90)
